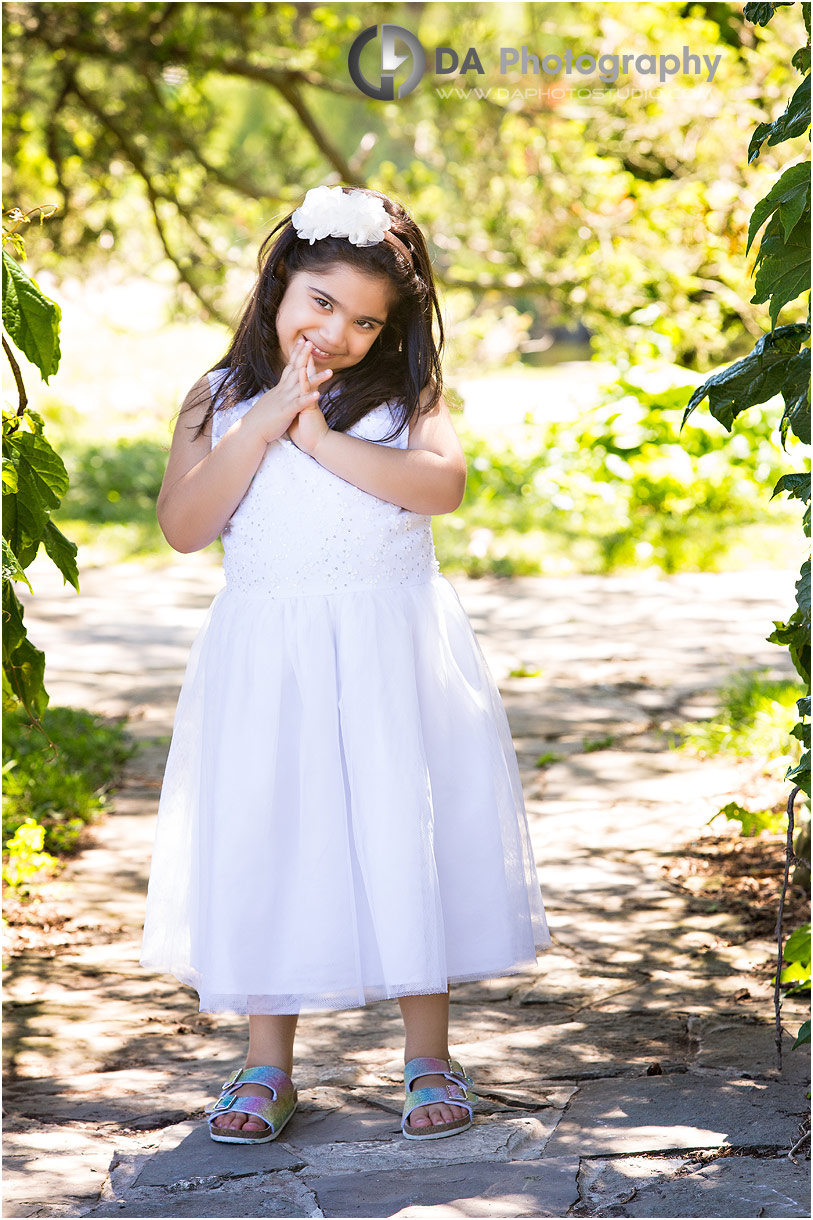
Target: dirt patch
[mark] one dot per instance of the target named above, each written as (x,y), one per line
(743,876)
(47,926)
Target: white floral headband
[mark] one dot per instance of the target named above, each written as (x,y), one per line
(328,211)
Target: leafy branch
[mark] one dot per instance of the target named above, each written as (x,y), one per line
(34,476)
(780,365)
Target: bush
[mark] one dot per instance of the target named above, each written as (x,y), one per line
(59,784)
(619,487)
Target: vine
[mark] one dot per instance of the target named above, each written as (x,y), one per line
(780,364)
(34,475)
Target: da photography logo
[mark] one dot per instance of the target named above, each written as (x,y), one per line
(390,61)
(448,61)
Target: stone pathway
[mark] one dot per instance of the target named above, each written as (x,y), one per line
(632,1075)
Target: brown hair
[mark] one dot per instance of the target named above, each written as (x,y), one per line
(403,360)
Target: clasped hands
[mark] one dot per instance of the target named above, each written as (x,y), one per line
(308,427)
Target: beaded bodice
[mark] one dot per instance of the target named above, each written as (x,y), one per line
(300,529)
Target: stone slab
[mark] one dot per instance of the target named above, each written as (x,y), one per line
(52,1166)
(731,1186)
(187,1152)
(750,1049)
(279,1194)
(603,1184)
(490,1140)
(514,1188)
(660,1113)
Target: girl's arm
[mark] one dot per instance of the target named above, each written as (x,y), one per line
(203,486)
(428,477)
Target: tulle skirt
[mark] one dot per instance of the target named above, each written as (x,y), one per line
(341,819)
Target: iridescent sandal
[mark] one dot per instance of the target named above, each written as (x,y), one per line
(274,1110)
(457,1092)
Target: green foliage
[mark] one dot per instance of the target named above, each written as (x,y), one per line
(34,480)
(30,318)
(598,743)
(803,1036)
(755,719)
(115,481)
(752,822)
(24,856)
(780,361)
(540,212)
(59,784)
(796,956)
(547,759)
(612,489)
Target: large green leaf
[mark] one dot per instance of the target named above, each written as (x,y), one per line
(63,552)
(31,318)
(41,482)
(754,379)
(796,485)
(791,194)
(793,121)
(23,664)
(783,267)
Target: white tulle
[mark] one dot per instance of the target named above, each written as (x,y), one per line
(341,819)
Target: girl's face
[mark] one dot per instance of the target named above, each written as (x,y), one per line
(340,310)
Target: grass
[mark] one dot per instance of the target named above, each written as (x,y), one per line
(59,783)
(755,718)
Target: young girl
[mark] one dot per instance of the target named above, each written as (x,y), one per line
(341,818)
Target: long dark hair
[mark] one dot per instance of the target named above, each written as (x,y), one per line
(403,361)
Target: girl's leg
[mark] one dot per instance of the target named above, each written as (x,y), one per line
(270,1044)
(426,1021)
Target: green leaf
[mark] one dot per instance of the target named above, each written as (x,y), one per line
(11,567)
(796,485)
(41,482)
(63,552)
(803,705)
(801,60)
(754,379)
(800,774)
(31,318)
(23,664)
(791,194)
(803,589)
(797,946)
(794,121)
(751,821)
(783,267)
(796,393)
(803,1036)
(761,14)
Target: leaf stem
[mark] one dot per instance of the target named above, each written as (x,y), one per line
(777,998)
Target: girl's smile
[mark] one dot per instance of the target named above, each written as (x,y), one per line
(340,310)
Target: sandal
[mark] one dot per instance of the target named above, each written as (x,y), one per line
(274,1110)
(457,1092)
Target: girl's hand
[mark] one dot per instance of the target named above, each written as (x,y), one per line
(296,391)
(307,430)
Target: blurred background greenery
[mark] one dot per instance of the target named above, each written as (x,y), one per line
(588,240)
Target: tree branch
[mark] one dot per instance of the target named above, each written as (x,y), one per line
(18,377)
(134,156)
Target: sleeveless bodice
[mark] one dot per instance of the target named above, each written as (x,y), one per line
(301,529)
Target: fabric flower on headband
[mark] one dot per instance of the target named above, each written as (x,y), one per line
(328,211)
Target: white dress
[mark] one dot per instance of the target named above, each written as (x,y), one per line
(341,818)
